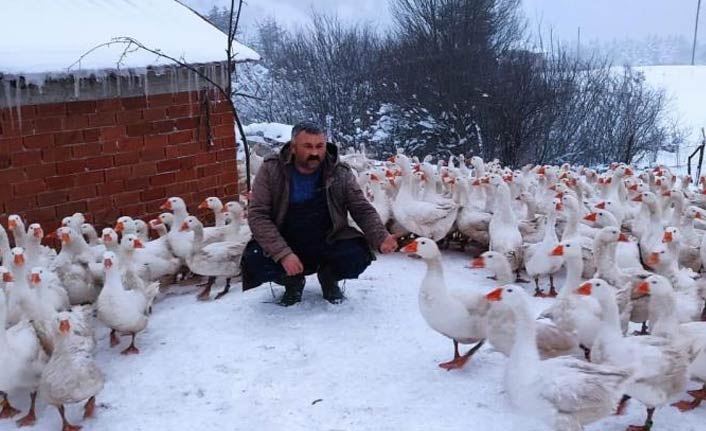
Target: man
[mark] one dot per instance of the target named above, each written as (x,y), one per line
(298,215)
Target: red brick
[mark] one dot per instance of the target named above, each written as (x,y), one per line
(40,171)
(134,102)
(10,145)
(138,129)
(160,100)
(110,188)
(224,143)
(41,215)
(28,112)
(163,179)
(134,210)
(225,118)
(70,167)
(231,190)
(101,119)
(38,141)
(164,126)
(29,188)
(83,107)
(73,122)
(180,189)
(186,97)
(110,147)
(99,203)
(92,177)
(129,117)
(52,198)
(101,162)
(151,154)
(26,158)
(206,158)
(56,154)
(187,174)
(69,208)
(118,173)
(20,205)
(188,149)
(121,200)
(112,133)
(60,182)
(179,111)
(92,135)
(144,169)
(140,183)
(81,151)
(207,182)
(222,155)
(83,192)
(154,114)
(187,123)
(11,175)
(171,152)
(122,159)
(187,162)
(51,109)
(131,144)
(168,165)
(4,161)
(156,141)
(153,194)
(47,124)
(181,137)
(220,106)
(68,138)
(109,105)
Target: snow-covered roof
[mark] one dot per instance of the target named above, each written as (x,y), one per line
(49,36)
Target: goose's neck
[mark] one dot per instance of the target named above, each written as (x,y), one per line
(434,278)
(663,315)
(220,218)
(524,354)
(112,279)
(604,253)
(179,215)
(574,269)
(572,224)
(198,237)
(610,316)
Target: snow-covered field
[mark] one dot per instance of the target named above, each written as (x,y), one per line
(243,363)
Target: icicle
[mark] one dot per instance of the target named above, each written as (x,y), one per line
(147,89)
(8,99)
(77,86)
(118,80)
(18,103)
(190,90)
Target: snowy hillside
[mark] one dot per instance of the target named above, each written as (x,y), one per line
(686,88)
(242,363)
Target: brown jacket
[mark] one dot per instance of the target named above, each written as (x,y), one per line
(270,200)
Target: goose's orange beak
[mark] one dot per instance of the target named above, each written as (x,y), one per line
(478,262)
(667,237)
(35,279)
(559,206)
(623,238)
(11,224)
(601,205)
(7,277)
(643,288)
(558,251)
(64,327)
(108,263)
(184,227)
(166,205)
(138,244)
(637,198)
(38,233)
(107,238)
(119,227)
(633,188)
(374,177)
(585,289)
(495,295)
(591,217)
(65,238)
(19,259)
(410,248)
(203,205)
(653,259)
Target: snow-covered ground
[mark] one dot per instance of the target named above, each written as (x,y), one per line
(243,363)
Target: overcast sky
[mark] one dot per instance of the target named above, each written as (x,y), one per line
(598,19)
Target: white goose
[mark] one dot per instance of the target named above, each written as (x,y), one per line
(660,367)
(38,254)
(121,309)
(458,316)
(565,392)
(538,259)
(17,227)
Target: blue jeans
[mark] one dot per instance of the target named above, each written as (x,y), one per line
(345,258)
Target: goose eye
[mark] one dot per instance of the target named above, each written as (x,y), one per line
(509,290)
(568,245)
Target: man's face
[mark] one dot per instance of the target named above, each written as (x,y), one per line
(309,151)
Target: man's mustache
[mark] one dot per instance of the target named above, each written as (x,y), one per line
(317,158)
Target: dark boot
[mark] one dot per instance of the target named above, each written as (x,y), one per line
(293,288)
(329,286)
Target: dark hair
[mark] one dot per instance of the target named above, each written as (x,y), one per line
(308,127)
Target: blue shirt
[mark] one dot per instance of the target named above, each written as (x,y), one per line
(303,187)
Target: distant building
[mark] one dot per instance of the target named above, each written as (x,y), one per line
(118,131)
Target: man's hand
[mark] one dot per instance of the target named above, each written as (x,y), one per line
(389,245)
(291,264)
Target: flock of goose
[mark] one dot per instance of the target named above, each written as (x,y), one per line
(48,300)
(629,245)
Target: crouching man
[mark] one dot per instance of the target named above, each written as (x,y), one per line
(298,215)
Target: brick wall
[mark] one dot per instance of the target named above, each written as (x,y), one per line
(113,157)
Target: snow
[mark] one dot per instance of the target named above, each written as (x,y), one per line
(243,363)
(44,36)
(686,89)
(276,132)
